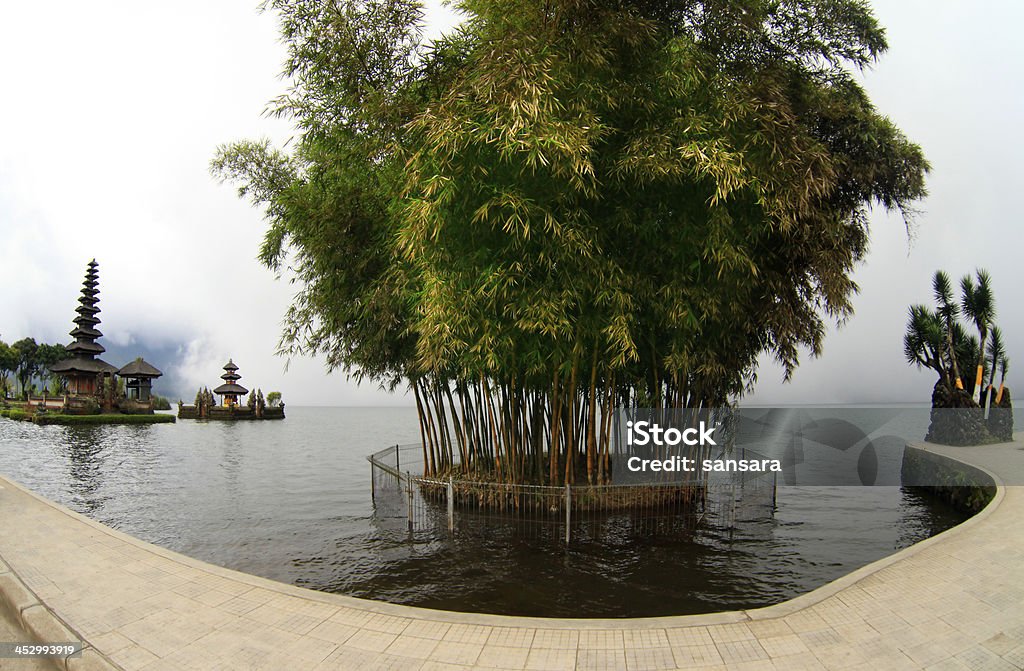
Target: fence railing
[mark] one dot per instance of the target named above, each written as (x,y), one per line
(465,507)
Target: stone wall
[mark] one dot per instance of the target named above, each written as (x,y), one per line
(966,488)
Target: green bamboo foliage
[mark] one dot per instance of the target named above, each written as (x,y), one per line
(570,206)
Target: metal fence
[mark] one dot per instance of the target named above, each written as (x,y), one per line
(427,506)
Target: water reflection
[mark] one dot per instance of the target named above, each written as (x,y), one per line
(86,466)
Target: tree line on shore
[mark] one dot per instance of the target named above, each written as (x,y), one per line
(25,371)
(25,368)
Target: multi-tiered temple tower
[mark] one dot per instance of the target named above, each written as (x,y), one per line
(84,369)
(230,391)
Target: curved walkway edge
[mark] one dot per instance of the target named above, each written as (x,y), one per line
(954,601)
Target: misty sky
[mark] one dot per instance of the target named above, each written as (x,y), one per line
(112,110)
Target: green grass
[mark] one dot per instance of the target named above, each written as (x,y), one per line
(48,418)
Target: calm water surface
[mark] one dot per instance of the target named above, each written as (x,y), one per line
(291,501)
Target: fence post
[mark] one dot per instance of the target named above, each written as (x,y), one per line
(451,505)
(732,516)
(568,511)
(373,480)
(408,484)
(398,466)
(775,490)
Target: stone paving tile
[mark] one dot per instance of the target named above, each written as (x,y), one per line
(239,605)
(747,650)
(696,655)
(344,658)
(601,660)
(298,623)
(467,633)
(110,642)
(456,653)
(133,657)
(845,656)
(804,621)
(783,646)
(645,638)
(954,643)
(949,664)
(374,641)
(427,629)
(389,663)
(821,638)
(802,662)
(551,659)
(595,639)
(511,636)
(926,654)
(685,636)
(442,666)
(766,628)
(334,632)
(411,646)
(649,659)
(730,633)
(502,657)
(979,657)
(386,623)
(855,633)
(556,638)
(757,665)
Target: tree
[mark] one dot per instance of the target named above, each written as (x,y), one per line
(8,364)
(925,341)
(273,399)
(568,206)
(948,311)
(26,351)
(46,356)
(1004,366)
(996,352)
(937,340)
(978,305)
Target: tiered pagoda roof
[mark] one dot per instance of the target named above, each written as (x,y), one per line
(140,369)
(84,350)
(231,379)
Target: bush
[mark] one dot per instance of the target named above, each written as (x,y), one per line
(87,420)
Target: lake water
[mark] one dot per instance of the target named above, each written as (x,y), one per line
(291,501)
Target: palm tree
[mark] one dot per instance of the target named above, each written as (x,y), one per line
(978,305)
(948,312)
(924,342)
(1004,365)
(996,352)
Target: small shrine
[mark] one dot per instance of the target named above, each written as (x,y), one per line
(230,390)
(139,376)
(230,406)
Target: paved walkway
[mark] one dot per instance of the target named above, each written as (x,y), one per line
(11,632)
(955,601)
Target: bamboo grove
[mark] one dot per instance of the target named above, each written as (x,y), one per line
(569,206)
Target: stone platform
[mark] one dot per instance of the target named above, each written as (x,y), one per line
(954,601)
